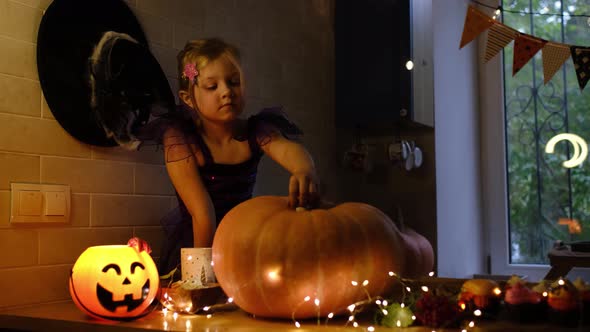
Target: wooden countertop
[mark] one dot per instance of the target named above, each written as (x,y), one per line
(65,316)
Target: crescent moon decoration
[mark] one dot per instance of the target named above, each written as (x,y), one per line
(580,148)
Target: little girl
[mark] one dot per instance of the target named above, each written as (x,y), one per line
(212,155)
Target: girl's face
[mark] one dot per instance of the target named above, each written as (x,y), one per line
(219,92)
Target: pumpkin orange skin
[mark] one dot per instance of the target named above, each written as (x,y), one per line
(127,278)
(269,257)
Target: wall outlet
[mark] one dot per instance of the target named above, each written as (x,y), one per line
(39,203)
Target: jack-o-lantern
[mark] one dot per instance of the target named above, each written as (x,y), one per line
(116,282)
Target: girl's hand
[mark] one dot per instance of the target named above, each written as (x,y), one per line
(303,190)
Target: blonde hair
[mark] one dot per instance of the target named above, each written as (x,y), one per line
(202,51)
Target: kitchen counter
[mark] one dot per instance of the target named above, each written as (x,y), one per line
(65,316)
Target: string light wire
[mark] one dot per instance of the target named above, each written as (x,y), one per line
(503,10)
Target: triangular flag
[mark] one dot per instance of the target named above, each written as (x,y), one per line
(525,47)
(581,57)
(499,36)
(554,55)
(476,22)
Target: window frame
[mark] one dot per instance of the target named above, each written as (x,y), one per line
(494,175)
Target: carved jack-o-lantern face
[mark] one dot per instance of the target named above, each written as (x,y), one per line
(114,282)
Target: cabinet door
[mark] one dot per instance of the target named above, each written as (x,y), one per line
(372,46)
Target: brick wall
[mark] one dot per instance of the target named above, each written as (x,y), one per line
(116,194)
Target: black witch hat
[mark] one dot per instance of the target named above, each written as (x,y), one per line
(97,73)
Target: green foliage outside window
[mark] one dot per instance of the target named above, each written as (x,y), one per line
(540,190)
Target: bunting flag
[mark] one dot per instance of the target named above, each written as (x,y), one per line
(525,47)
(581,57)
(554,56)
(499,36)
(476,22)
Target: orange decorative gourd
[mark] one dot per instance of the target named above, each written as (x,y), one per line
(116,282)
(275,261)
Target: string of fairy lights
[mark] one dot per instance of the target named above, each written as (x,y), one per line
(544,11)
(174,308)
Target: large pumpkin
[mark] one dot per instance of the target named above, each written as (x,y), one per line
(275,261)
(116,282)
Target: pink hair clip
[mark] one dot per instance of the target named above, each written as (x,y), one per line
(190,71)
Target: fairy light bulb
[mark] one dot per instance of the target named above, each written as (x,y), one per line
(355,324)
(410,65)
(402,305)
(354,283)
(561,282)
(424,289)
(365,283)
(230,299)
(408,289)
(431,274)
(370,329)
(208,316)
(331,315)
(391,273)
(297,325)
(385,312)
(497,13)
(497,291)
(317,302)
(545,294)
(351,307)
(477,312)
(398,323)
(378,302)
(471,324)
(384,303)
(350,318)
(307,298)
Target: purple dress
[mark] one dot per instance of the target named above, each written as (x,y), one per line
(227,184)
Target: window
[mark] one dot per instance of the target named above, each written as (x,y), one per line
(535,191)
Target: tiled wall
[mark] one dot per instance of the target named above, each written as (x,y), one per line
(287,57)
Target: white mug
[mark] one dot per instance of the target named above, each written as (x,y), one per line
(196,263)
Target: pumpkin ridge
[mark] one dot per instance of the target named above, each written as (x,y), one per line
(258,275)
(293,251)
(358,265)
(320,275)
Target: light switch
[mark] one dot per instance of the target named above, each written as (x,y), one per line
(39,203)
(30,203)
(55,203)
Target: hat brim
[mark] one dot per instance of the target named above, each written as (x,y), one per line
(68,34)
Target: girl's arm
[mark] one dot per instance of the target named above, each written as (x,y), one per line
(304,182)
(183,171)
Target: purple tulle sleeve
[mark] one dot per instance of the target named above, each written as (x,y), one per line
(259,130)
(270,121)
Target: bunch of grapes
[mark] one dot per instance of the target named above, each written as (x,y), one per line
(436,310)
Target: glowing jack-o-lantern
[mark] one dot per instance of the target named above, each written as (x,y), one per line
(116,282)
